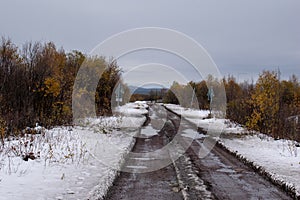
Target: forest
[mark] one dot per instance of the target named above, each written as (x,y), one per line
(37,81)
(270,106)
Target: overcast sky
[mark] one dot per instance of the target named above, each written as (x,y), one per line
(243,37)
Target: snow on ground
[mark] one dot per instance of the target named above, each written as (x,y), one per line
(279,158)
(188,112)
(200,118)
(68,162)
(133,109)
(190,133)
(148,131)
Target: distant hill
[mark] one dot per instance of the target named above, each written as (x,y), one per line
(141,90)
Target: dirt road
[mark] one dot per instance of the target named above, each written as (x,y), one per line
(160,184)
(217,176)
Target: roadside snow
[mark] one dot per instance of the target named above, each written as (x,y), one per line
(279,158)
(137,108)
(188,112)
(148,131)
(190,133)
(69,162)
(199,118)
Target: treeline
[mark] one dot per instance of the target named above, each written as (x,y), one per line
(270,105)
(155,95)
(195,95)
(37,82)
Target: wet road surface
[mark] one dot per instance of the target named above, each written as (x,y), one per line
(159,184)
(217,176)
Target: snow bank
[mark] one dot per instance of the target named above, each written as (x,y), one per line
(279,160)
(68,162)
(199,118)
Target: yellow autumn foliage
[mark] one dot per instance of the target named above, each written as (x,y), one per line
(265,101)
(52,87)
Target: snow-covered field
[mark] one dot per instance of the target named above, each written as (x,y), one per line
(278,158)
(69,162)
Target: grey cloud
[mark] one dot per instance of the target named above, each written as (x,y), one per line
(241,36)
